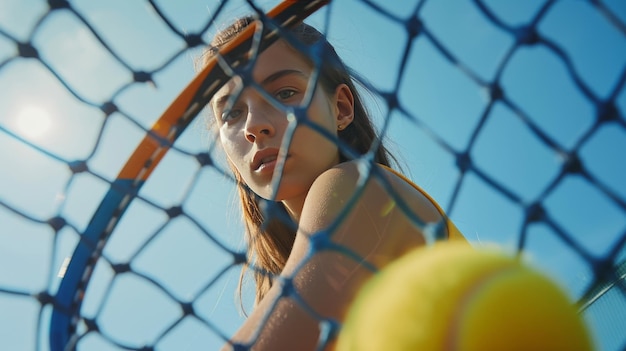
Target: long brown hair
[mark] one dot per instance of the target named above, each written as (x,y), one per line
(270,240)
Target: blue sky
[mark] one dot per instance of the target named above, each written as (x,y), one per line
(441,98)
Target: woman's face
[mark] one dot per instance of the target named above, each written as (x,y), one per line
(252,129)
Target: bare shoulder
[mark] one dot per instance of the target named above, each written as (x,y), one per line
(383,192)
(373,216)
(330,194)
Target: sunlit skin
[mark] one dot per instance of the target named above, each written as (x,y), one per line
(315,188)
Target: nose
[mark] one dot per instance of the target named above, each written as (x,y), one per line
(258,123)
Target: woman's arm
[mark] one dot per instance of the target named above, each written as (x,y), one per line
(375,229)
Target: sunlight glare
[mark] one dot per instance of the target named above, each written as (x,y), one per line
(33,121)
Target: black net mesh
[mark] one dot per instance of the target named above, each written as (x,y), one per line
(510,115)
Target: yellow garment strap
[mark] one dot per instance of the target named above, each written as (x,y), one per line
(453,231)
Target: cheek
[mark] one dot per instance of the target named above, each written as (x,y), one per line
(229,146)
(321,110)
(321,114)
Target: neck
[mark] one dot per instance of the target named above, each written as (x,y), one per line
(294,207)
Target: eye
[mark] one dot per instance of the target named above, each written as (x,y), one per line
(229,115)
(285,94)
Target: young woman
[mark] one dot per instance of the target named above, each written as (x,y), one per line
(316,229)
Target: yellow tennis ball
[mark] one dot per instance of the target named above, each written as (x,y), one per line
(453,297)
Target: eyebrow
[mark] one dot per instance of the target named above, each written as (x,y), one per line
(221,101)
(279,74)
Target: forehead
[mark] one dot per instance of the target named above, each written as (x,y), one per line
(279,56)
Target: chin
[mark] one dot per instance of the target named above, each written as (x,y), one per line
(286,191)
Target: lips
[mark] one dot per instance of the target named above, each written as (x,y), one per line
(264,158)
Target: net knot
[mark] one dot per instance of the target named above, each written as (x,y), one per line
(319,241)
(243,71)
(58,4)
(301,114)
(174,211)
(240,258)
(45,298)
(329,329)
(435,231)
(57,223)
(287,287)
(204,159)
(607,112)
(27,50)
(108,108)
(464,161)
(391,99)
(495,92)
(120,268)
(193,40)
(142,77)
(187,309)
(78,166)
(413,27)
(91,324)
(239,347)
(535,213)
(526,35)
(604,269)
(573,164)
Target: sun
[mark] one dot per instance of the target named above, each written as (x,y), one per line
(33,121)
